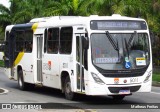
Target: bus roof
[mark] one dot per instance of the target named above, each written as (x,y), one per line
(70,20)
(91,17)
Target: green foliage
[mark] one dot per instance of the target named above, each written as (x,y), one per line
(1,63)
(22,11)
(156,74)
(156,77)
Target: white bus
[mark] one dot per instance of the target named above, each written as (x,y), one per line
(95,55)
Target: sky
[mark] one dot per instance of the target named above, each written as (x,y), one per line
(5,3)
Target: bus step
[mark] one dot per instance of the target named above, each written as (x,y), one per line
(38,84)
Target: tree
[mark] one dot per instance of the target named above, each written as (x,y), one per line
(29,9)
(5,16)
(71,7)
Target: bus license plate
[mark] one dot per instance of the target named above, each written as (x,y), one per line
(124,92)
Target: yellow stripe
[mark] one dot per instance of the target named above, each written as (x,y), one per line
(140,58)
(34,27)
(18,59)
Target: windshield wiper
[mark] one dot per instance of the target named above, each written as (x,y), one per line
(112,41)
(130,42)
(126,45)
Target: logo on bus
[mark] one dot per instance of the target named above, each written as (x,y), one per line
(125,81)
(47,66)
(116,80)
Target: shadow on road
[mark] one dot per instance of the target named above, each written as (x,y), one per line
(98,100)
(81,102)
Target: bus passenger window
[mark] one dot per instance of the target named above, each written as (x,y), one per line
(66,40)
(53,40)
(28,41)
(19,41)
(28,47)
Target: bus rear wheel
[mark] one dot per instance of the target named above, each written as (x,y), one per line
(118,97)
(67,89)
(22,85)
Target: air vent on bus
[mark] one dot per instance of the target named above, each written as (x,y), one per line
(117,89)
(39,19)
(116,15)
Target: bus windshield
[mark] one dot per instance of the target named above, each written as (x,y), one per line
(120,51)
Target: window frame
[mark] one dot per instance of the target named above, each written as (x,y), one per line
(70,40)
(19,40)
(55,40)
(30,42)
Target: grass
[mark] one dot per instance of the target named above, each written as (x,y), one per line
(1,63)
(156,76)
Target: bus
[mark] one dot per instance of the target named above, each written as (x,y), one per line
(94,55)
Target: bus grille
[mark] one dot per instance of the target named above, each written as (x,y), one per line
(122,74)
(117,89)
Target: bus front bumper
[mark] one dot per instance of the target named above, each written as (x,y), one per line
(93,88)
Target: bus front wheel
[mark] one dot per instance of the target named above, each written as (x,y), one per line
(67,89)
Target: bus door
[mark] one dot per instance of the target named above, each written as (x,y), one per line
(80,63)
(39,57)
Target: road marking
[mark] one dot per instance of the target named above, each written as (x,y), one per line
(155,93)
(4,91)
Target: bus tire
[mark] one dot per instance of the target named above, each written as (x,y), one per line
(118,97)
(67,89)
(22,85)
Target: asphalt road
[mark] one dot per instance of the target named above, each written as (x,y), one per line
(83,103)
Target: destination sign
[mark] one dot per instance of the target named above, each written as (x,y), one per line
(117,25)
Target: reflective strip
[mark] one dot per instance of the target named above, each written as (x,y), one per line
(34,27)
(18,59)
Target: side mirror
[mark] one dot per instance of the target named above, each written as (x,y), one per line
(85,42)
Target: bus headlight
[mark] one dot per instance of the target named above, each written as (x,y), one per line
(148,76)
(97,79)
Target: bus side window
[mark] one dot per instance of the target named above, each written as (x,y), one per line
(19,41)
(53,40)
(66,40)
(28,41)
